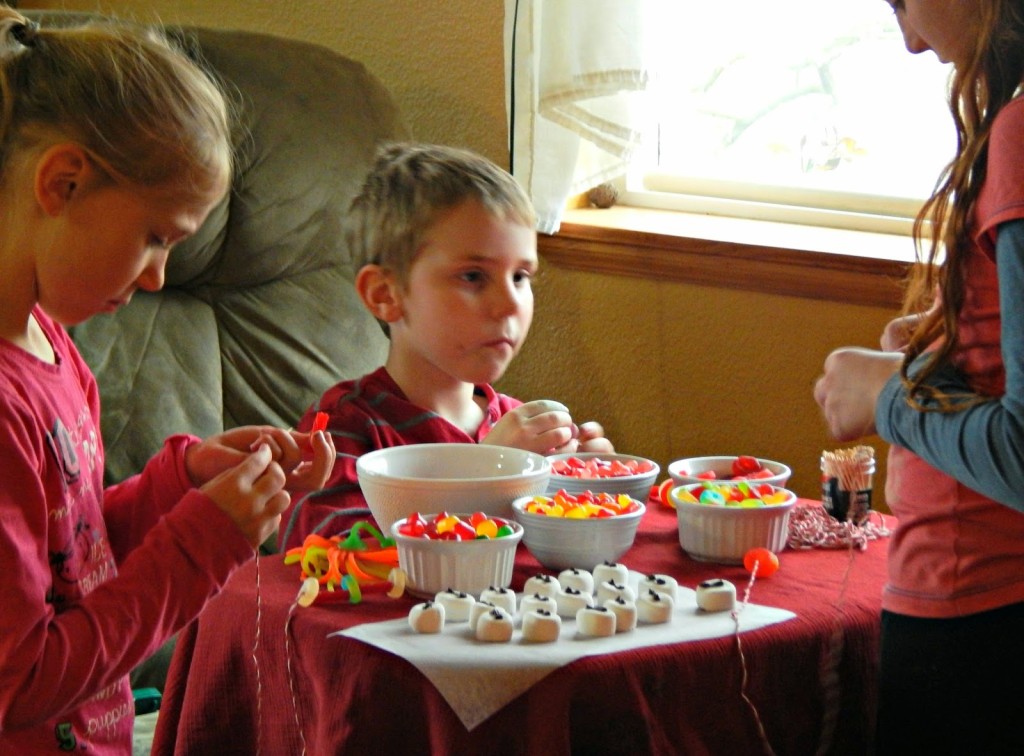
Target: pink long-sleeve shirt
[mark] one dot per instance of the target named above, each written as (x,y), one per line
(92,581)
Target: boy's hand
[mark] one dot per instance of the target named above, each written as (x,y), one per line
(591,439)
(289,449)
(252,494)
(539,426)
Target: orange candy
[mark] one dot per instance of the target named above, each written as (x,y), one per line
(764,560)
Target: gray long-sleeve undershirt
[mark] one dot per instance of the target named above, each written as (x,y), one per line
(983,446)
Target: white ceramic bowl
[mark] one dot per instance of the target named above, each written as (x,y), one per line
(684,471)
(431,566)
(635,486)
(559,543)
(401,480)
(725,534)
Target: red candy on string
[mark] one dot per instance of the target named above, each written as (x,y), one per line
(319,422)
(763,560)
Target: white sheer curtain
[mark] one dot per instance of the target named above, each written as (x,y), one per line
(576,77)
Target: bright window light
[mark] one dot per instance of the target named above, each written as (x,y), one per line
(807,111)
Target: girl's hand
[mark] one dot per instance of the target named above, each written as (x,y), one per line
(848,390)
(896,334)
(252,494)
(312,473)
(307,462)
(539,426)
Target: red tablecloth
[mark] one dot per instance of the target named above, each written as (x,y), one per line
(229,690)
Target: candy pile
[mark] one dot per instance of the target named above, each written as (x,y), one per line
(743,468)
(449,527)
(737,494)
(595,467)
(582,506)
(348,564)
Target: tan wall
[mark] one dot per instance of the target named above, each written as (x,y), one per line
(670,369)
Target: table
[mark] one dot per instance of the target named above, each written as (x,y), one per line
(680,698)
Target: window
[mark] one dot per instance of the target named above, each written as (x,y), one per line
(810,111)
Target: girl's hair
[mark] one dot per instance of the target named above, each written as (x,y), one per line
(979,89)
(148,114)
(409,186)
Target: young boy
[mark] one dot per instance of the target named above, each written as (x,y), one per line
(445,249)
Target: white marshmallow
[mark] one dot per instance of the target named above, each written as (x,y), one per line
(716,595)
(660,583)
(625,613)
(609,589)
(537,602)
(611,571)
(503,597)
(541,626)
(545,585)
(427,617)
(576,578)
(456,604)
(595,621)
(570,601)
(480,607)
(494,626)
(654,608)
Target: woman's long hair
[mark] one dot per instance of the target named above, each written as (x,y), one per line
(979,90)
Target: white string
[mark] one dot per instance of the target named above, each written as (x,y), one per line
(830,664)
(255,657)
(291,674)
(743,662)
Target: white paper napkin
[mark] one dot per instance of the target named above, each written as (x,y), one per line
(477,678)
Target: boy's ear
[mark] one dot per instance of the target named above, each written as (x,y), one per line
(61,173)
(378,289)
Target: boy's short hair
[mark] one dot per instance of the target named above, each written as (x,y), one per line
(409,186)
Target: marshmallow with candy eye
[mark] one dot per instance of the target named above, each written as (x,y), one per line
(716,595)
(427,617)
(660,583)
(494,626)
(595,621)
(576,578)
(503,597)
(542,584)
(541,626)
(613,571)
(654,608)
(457,604)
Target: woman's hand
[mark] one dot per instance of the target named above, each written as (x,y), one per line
(848,390)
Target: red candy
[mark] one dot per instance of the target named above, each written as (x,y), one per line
(449,527)
(743,468)
(595,467)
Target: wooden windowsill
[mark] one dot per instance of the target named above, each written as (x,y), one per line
(805,261)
